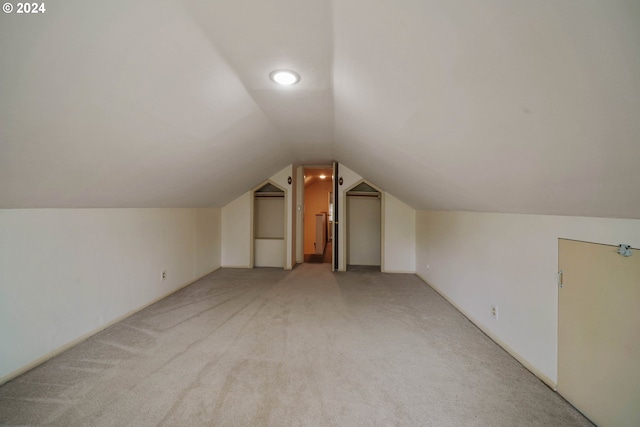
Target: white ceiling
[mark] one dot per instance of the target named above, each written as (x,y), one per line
(499,105)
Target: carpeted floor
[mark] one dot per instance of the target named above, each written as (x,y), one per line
(304,347)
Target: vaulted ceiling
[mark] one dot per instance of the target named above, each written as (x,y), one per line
(499,105)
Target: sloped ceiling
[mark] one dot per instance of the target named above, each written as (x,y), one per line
(501,106)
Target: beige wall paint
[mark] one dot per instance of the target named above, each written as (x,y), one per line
(269,231)
(268,217)
(67,273)
(208,239)
(237,221)
(399,240)
(316,200)
(237,225)
(398,228)
(598,335)
(282,180)
(269,253)
(364,224)
(511,260)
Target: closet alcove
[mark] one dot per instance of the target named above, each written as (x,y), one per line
(269,226)
(363,214)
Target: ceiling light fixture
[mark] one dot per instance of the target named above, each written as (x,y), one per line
(285,77)
(323,176)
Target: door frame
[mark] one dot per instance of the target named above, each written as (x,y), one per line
(343,240)
(253,219)
(588,272)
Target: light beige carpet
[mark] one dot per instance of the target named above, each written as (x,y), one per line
(305,347)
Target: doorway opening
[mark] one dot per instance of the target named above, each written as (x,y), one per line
(364,227)
(318,214)
(269,247)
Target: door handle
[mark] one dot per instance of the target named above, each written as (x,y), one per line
(560,284)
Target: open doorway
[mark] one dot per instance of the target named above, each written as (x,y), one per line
(318,214)
(269,245)
(364,227)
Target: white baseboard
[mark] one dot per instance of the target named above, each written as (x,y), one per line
(535,371)
(89,334)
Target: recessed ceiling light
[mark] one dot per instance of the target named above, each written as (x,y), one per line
(323,176)
(285,77)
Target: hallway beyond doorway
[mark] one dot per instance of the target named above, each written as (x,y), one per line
(317,218)
(320,259)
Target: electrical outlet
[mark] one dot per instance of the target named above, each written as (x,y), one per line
(494,311)
(163,275)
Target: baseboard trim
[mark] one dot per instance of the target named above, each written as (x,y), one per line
(10,376)
(523,361)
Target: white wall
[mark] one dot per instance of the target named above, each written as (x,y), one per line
(281,179)
(398,229)
(269,253)
(479,259)
(208,240)
(67,273)
(237,225)
(364,224)
(237,222)
(268,231)
(399,239)
(268,215)
(398,226)
(349,178)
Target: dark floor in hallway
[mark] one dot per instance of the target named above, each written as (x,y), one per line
(325,258)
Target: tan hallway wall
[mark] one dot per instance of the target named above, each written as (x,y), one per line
(316,200)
